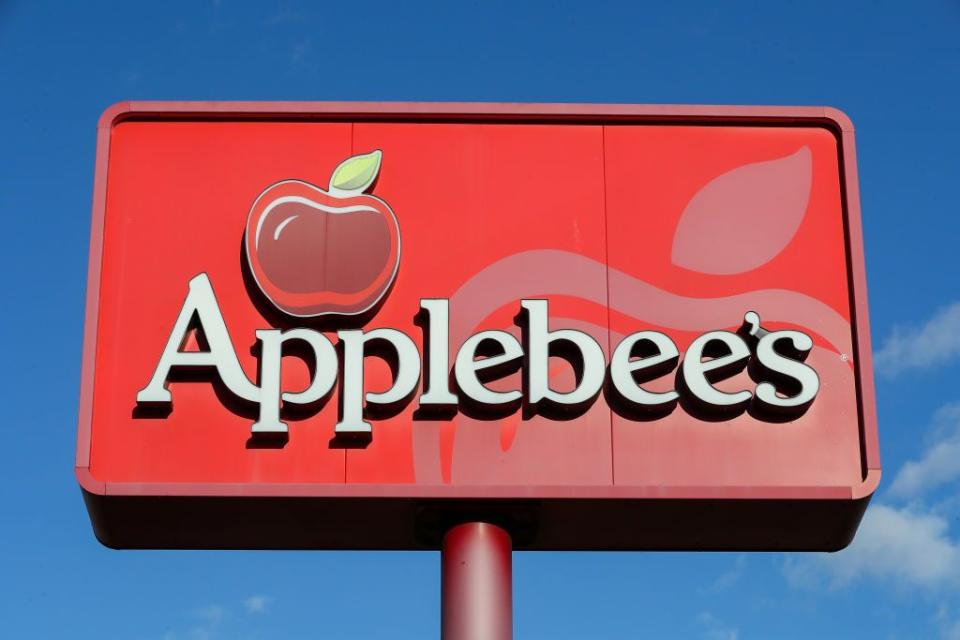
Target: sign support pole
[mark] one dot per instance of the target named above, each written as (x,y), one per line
(476,583)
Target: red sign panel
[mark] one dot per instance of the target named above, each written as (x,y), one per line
(352,325)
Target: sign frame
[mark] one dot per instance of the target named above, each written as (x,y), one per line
(344,516)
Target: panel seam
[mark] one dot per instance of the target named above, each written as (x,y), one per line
(606,260)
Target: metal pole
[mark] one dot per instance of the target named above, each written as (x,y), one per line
(476,583)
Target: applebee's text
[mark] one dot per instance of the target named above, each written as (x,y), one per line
(784,386)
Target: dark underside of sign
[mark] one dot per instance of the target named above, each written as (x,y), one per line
(178,522)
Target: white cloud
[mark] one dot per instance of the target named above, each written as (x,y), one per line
(212,613)
(907,545)
(715,629)
(939,464)
(949,626)
(934,343)
(212,621)
(729,578)
(952,631)
(256,604)
(899,545)
(210,617)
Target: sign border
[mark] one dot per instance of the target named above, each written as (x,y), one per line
(556,113)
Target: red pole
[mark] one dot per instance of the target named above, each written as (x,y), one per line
(476,583)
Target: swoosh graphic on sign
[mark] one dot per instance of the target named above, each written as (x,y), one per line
(549,272)
(545,272)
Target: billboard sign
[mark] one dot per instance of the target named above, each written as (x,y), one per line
(332,325)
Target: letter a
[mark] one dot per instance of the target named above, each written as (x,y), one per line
(221,355)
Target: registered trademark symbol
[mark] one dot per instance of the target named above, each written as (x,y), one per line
(844,357)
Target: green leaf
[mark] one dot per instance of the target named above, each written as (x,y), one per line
(355,174)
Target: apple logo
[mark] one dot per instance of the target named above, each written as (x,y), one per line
(314,252)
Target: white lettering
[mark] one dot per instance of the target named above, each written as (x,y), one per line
(406,361)
(662,360)
(728,355)
(539,341)
(201,302)
(786,385)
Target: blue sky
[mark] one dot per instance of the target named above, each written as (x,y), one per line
(894,67)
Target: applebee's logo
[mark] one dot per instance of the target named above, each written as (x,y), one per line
(336,252)
(314,252)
